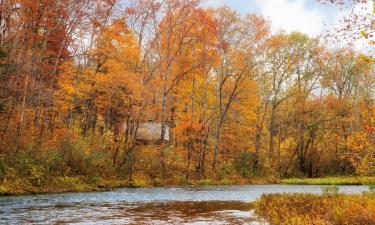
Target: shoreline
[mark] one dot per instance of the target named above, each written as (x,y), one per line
(78,185)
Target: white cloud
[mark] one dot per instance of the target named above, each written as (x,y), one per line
(292,15)
(213,3)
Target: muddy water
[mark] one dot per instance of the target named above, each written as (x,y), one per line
(179,205)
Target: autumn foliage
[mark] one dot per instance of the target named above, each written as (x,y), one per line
(78,78)
(301,209)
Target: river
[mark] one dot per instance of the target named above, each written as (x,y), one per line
(170,205)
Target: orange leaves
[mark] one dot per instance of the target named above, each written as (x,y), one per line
(111,84)
(301,209)
(117,43)
(277,41)
(115,79)
(361,153)
(368,115)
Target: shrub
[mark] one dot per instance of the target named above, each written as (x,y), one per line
(225,170)
(301,209)
(31,167)
(82,159)
(139,181)
(226,181)
(75,153)
(330,190)
(4,190)
(204,182)
(244,164)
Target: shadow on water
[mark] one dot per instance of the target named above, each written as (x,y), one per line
(215,212)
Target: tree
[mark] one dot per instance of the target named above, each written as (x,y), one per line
(240,42)
(359,23)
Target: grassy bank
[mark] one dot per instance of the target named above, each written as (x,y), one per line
(61,184)
(85,184)
(330,181)
(303,209)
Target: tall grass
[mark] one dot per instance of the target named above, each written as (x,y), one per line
(306,209)
(331,181)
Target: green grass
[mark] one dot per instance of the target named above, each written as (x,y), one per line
(204,182)
(330,181)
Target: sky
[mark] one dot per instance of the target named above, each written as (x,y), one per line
(306,16)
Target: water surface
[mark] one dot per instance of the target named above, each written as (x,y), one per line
(178,205)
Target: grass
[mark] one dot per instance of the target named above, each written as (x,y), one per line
(330,181)
(306,209)
(204,182)
(87,184)
(61,184)
(80,183)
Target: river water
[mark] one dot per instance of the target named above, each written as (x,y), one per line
(171,205)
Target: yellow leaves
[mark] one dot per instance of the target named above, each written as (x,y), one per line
(288,145)
(361,153)
(277,41)
(315,209)
(118,42)
(110,83)
(358,141)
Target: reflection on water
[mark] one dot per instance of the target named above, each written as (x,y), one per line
(215,212)
(189,205)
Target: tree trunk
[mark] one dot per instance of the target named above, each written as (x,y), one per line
(217,143)
(258,138)
(272,134)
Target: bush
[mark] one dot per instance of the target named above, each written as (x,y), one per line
(75,153)
(330,190)
(139,181)
(31,167)
(4,190)
(301,209)
(204,182)
(82,159)
(225,170)
(226,181)
(244,164)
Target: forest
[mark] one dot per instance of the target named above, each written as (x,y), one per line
(238,102)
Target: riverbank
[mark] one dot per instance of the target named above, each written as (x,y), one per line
(347,180)
(303,209)
(61,185)
(84,184)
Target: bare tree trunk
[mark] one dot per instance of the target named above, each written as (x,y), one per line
(272,134)
(22,114)
(217,143)
(300,147)
(258,139)
(163,118)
